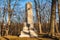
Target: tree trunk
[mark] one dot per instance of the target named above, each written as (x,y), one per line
(2,27)
(37,7)
(9,16)
(59,12)
(52,20)
(53,11)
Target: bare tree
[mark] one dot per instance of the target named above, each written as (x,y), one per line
(37,8)
(59,12)
(52,19)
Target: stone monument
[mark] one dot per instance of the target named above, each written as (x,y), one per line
(28,29)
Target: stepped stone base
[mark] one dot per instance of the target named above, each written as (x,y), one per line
(33,34)
(23,34)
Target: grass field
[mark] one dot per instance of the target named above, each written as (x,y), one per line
(19,38)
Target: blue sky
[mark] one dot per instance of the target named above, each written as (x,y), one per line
(21,4)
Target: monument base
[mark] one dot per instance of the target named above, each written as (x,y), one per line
(23,34)
(25,31)
(33,34)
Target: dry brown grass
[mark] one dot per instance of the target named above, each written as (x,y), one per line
(1,38)
(27,38)
(19,38)
(11,37)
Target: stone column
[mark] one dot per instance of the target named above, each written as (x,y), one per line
(28,29)
(29,12)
